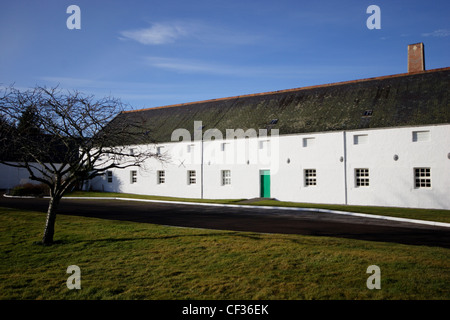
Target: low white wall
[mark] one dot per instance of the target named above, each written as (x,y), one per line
(13,176)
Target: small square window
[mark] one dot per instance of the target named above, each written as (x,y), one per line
(161,175)
(310,177)
(362,177)
(226,177)
(224,146)
(368,113)
(264,144)
(133,176)
(422,177)
(418,136)
(109,176)
(192,177)
(360,139)
(308,142)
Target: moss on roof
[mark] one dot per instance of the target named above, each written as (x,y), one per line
(391,101)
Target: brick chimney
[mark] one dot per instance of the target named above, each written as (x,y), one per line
(416,57)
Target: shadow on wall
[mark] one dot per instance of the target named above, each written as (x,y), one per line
(108,182)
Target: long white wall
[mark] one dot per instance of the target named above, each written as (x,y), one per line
(12,176)
(389,157)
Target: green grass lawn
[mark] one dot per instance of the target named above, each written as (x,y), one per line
(420,214)
(128,260)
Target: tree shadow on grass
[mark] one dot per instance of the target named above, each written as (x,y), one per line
(163,237)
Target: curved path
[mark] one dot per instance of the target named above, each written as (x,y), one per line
(246,219)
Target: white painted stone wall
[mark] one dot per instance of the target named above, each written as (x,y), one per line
(13,176)
(334,156)
(392,181)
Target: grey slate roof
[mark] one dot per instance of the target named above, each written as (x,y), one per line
(391,101)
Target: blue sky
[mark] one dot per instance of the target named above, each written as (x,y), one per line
(156,53)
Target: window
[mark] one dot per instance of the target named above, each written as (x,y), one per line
(224,146)
(362,177)
(360,139)
(264,144)
(418,136)
(109,176)
(159,150)
(422,177)
(190,148)
(368,113)
(308,142)
(161,174)
(226,177)
(310,177)
(131,152)
(192,178)
(133,176)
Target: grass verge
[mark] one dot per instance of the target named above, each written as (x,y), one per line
(419,214)
(128,260)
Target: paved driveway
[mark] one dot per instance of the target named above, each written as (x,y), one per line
(246,219)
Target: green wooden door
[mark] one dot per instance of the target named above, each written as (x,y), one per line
(265,183)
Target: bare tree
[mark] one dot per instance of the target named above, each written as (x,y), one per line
(65,138)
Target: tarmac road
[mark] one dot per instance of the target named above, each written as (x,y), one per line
(246,219)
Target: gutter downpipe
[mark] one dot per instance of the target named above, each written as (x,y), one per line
(345,167)
(201,173)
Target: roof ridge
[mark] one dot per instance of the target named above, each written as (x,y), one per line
(292,90)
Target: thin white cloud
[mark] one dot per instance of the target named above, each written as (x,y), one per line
(157,34)
(440,33)
(189,66)
(170,32)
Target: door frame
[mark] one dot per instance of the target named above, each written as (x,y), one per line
(263,184)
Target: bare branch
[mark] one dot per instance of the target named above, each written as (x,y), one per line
(63,138)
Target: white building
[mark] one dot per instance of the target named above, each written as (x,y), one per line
(381,142)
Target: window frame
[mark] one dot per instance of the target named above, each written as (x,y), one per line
(224,146)
(225,177)
(109,176)
(191,177)
(133,176)
(308,142)
(421,135)
(362,177)
(422,177)
(161,177)
(310,177)
(360,139)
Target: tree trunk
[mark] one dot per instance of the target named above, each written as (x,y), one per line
(49,230)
